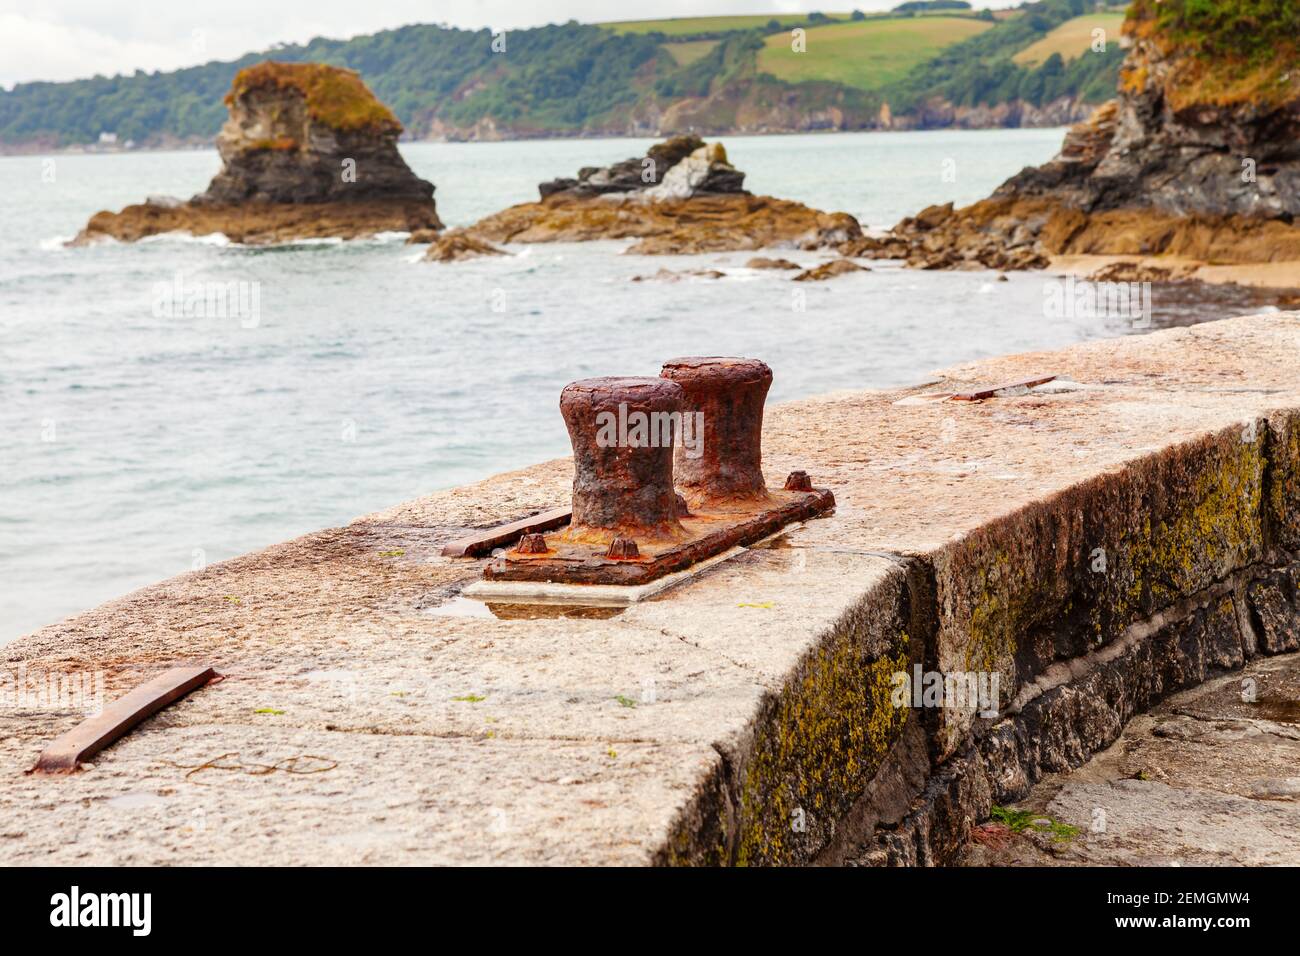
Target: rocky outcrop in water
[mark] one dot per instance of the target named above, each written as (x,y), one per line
(456,245)
(829,270)
(307,151)
(1197,159)
(683,197)
(677,168)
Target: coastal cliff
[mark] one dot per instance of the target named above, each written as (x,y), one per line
(756,109)
(1196,161)
(307,151)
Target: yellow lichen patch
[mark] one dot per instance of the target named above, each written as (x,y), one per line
(831,729)
(1225,83)
(333,96)
(1214,533)
(1284,480)
(1133,80)
(1009,597)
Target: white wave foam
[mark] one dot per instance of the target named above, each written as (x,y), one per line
(211,239)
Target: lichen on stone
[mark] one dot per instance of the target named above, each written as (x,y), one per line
(1218,529)
(826,736)
(333,96)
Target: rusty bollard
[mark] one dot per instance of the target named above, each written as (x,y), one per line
(725,396)
(622,432)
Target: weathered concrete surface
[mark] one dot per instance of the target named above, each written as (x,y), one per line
(745,717)
(1206,778)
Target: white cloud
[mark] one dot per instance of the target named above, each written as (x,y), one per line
(32,49)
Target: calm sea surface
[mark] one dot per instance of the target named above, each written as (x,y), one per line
(135,441)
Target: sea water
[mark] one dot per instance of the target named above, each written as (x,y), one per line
(139,440)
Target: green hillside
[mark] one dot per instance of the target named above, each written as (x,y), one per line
(868,54)
(711,74)
(684,54)
(1072,39)
(983,70)
(695,26)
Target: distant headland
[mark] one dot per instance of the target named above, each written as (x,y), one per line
(926,64)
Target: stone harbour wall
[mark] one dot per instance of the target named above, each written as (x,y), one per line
(1127,530)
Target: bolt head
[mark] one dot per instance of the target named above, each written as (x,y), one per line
(532,544)
(622,549)
(798,481)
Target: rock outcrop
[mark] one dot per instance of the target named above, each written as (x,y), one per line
(829,270)
(677,168)
(1197,160)
(763,262)
(682,197)
(307,151)
(455,245)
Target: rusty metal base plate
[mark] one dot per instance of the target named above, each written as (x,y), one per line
(532,593)
(711,534)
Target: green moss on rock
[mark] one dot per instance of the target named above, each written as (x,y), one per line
(1284,479)
(333,96)
(829,732)
(1219,527)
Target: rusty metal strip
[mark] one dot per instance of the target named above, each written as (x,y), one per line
(993,392)
(118,718)
(478,545)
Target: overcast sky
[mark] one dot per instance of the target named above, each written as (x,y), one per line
(68,39)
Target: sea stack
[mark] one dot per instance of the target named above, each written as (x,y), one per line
(682,196)
(307,152)
(1196,161)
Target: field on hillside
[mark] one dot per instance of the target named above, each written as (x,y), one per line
(866,54)
(685,26)
(1071,39)
(687,52)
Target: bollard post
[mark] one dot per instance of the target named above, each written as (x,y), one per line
(622,432)
(728,394)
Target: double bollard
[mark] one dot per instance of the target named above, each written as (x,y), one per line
(649,451)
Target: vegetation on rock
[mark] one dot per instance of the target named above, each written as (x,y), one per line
(336,98)
(1227,52)
(1194,161)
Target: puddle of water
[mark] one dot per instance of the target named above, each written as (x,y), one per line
(461,606)
(529,612)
